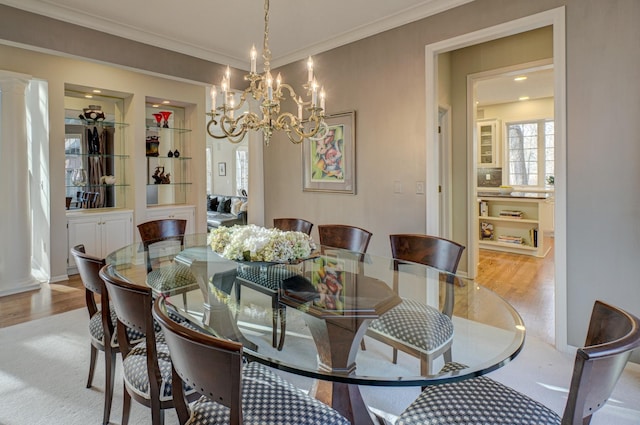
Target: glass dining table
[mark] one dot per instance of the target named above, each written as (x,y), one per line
(328,301)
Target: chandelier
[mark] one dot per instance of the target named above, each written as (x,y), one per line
(269,94)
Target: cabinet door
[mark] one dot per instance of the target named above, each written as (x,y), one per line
(185,213)
(116,232)
(488,144)
(85,231)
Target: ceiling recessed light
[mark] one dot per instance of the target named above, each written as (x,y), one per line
(97,91)
(88,96)
(520,78)
(155,106)
(523,98)
(166,102)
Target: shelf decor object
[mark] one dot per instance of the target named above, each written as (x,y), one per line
(165,117)
(158,118)
(269,93)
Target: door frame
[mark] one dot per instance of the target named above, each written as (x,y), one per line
(555,18)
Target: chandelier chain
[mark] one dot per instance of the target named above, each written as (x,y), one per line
(266,53)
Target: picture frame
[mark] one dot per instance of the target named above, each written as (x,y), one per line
(329,163)
(222,168)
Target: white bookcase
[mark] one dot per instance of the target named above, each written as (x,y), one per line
(529,227)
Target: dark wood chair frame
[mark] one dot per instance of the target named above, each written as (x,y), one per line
(612,335)
(89,269)
(133,304)
(197,350)
(433,251)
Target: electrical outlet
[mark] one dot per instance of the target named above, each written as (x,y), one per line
(420,188)
(487,176)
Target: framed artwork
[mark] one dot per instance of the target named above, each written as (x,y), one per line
(222,168)
(329,162)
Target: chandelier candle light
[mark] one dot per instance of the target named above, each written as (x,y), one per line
(261,88)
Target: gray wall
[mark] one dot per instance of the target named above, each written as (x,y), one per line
(383,79)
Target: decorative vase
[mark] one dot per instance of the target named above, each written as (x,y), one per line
(170,154)
(165,115)
(79,177)
(176,154)
(158,118)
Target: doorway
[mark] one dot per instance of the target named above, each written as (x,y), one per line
(556,19)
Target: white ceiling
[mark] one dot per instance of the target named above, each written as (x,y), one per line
(504,88)
(223,31)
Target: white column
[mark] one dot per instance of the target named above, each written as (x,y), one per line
(15,240)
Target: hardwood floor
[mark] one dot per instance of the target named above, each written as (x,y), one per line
(526,282)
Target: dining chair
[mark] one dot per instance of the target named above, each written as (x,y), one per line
(293,224)
(339,236)
(612,334)
(101,328)
(166,278)
(266,280)
(232,391)
(147,364)
(413,327)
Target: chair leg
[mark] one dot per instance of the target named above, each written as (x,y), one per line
(157,414)
(283,326)
(92,365)
(447,356)
(395,356)
(362,346)
(184,299)
(275,307)
(126,406)
(110,369)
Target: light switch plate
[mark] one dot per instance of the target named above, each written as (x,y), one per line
(420,188)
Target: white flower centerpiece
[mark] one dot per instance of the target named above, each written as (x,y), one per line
(259,244)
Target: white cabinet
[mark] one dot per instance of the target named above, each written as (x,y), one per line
(513,224)
(488,143)
(185,212)
(101,233)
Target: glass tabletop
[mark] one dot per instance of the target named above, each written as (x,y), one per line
(330,302)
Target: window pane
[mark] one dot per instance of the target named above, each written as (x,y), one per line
(530,154)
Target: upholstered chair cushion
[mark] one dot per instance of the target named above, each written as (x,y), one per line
(267,399)
(415,324)
(97,332)
(169,278)
(269,277)
(136,373)
(475,401)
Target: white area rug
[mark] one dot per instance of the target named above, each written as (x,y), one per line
(44,366)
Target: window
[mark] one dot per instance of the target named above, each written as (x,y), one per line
(530,152)
(242,169)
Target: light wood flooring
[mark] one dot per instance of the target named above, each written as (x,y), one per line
(526,282)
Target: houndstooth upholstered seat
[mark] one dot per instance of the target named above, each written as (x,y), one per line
(233,392)
(171,279)
(97,332)
(475,401)
(416,324)
(267,399)
(136,374)
(612,335)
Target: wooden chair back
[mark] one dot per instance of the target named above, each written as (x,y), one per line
(211,365)
(613,333)
(432,251)
(345,237)
(293,224)
(161,230)
(132,304)
(89,269)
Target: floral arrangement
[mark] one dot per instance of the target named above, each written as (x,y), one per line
(255,243)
